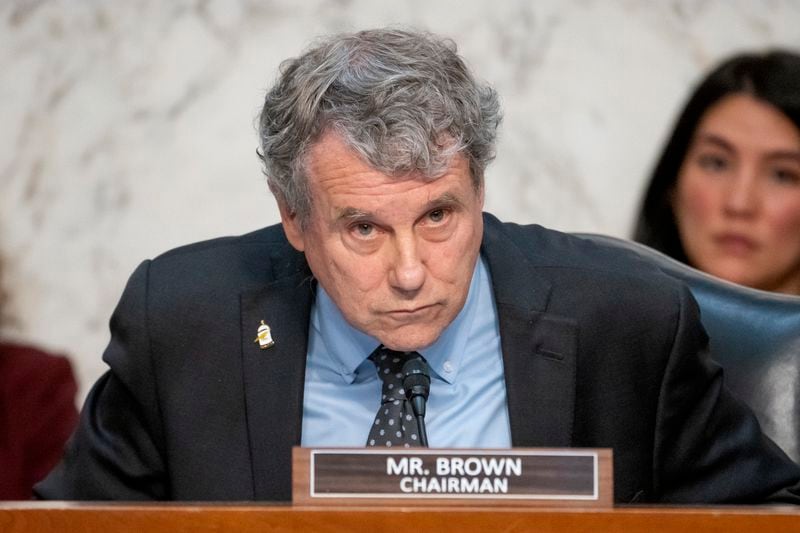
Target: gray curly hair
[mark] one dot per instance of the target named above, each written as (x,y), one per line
(403,100)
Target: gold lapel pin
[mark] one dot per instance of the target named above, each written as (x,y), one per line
(264,337)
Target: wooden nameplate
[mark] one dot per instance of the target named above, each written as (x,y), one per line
(423,476)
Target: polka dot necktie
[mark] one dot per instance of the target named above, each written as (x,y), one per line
(394,424)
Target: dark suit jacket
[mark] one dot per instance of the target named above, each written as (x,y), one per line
(599,351)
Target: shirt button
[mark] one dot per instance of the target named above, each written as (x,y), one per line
(448,366)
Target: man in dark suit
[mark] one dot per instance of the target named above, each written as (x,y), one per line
(227,353)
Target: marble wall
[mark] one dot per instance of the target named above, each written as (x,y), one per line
(127,127)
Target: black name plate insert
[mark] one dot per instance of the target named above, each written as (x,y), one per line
(471,474)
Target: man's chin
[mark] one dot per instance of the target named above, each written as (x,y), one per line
(410,338)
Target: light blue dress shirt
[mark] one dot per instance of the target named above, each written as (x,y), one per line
(467,406)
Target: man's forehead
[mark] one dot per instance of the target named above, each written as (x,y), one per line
(445,199)
(331,162)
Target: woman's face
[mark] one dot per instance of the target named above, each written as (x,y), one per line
(737,197)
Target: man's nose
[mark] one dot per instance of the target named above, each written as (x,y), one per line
(407,273)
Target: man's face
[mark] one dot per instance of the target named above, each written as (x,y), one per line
(396,255)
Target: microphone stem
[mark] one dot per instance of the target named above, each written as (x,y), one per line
(418,406)
(423,434)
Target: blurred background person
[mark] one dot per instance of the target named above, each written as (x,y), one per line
(37,414)
(725,195)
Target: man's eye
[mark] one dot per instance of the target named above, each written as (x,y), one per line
(437,215)
(364,230)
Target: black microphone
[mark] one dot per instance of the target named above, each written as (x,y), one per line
(417,384)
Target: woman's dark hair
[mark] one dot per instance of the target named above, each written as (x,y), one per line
(772,77)
(3,294)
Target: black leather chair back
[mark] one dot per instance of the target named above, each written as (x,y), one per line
(755,337)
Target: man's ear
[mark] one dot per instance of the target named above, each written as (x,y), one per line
(291,227)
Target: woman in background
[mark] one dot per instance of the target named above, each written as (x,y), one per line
(37,415)
(725,194)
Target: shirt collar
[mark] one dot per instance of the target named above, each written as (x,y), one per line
(349,347)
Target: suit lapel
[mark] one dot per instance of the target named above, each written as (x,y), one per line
(274,380)
(539,348)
